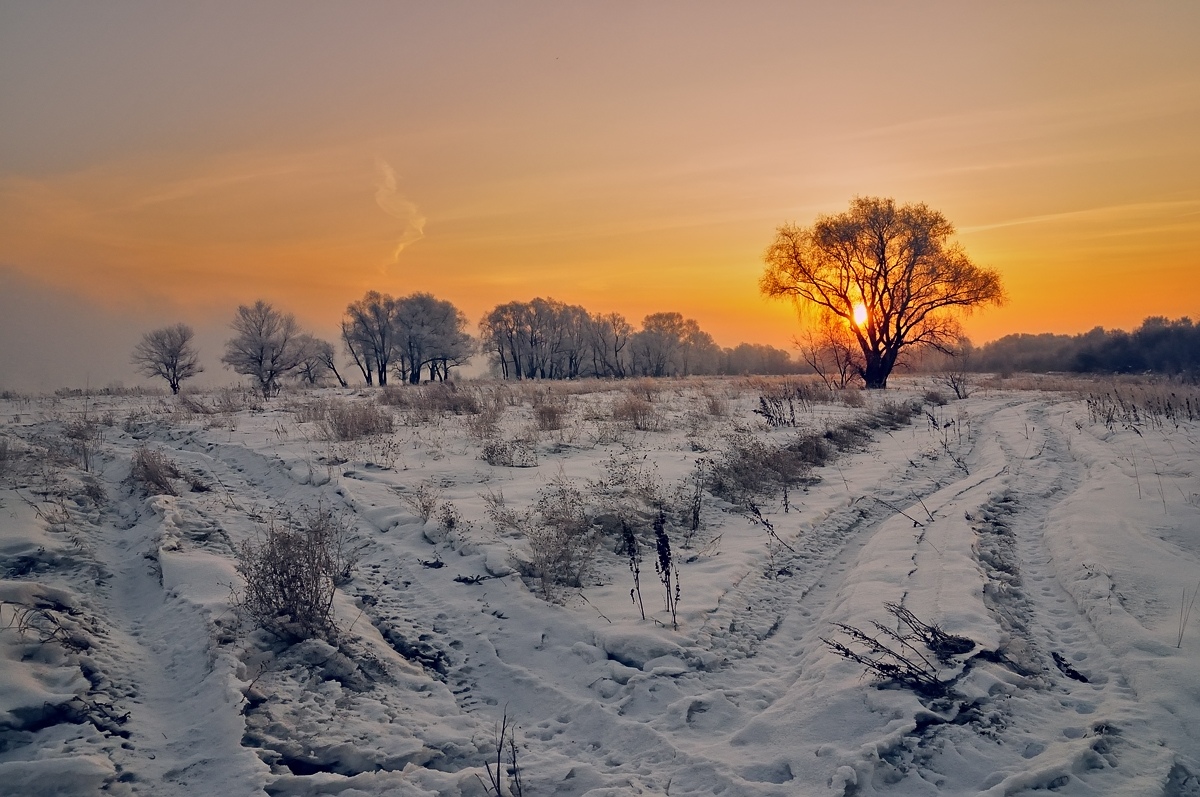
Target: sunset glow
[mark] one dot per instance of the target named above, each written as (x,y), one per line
(860,314)
(166,163)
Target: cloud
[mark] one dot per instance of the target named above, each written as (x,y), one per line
(399,207)
(1125,212)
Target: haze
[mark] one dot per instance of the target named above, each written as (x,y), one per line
(166,162)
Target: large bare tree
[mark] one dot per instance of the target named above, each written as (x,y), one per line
(891,272)
(168,353)
(267,345)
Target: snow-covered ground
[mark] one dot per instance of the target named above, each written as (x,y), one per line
(1061,537)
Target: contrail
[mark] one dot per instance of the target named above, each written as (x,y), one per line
(396,205)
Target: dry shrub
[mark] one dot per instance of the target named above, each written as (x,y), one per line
(310,411)
(154,471)
(431,399)
(85,435)
(350,420)
(486,424)
(10,455)
(510,454)
(638,412)
(291,572)
(562,540)
(192,403)
(715,405)
(852,397)
(549,410)
(232,400)
(750,466)
(423,500)
(893,414)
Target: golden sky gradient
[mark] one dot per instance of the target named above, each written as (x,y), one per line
(163,162)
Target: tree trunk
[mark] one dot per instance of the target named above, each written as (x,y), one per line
(875,375)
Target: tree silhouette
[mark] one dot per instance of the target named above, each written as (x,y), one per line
(168,352)
(891,273)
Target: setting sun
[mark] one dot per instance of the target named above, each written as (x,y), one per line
(860,314)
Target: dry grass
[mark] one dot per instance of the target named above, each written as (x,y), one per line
(154,471)
(351,420)
(509,454)
(431,400)
(639,412)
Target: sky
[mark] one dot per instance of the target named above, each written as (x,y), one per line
(165,162)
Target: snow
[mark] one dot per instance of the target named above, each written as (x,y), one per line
(1060,542)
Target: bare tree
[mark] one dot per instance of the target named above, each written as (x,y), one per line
(831,350)
(890,272)
(656,347)
(609,338)
(266,345)
(168,353)
(316,361)
(326,354)
(955,369)
(368,330)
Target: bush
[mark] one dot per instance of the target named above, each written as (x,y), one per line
(549,415)
(749,467)
(562,540)
(423,500)
(291,573)
(638,412)
(509,454)
(154,471)
(893,657)
(346,420)
(430,400)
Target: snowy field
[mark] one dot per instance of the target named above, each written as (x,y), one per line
(1056,539)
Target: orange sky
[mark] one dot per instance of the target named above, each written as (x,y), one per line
(163,162)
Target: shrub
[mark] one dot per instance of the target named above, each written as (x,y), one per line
(347,420)
(549,415)
(85,435)
(423,500)
(936,398)
(749,467)
(896,658)
(510,454)
(154,471)
(638,412)
(9,456)
(852,398)
(562,540)
(430,399)
(291,572)
(486,424)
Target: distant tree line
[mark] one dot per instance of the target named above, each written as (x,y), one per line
(547,339)
(1159,345)
(421,337)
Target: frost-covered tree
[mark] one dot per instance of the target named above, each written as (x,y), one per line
(168,353)
(369,332)
(317,361)
(267,345)
(429,333)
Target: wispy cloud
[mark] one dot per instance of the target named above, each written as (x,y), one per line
(399,207)
(1129,210)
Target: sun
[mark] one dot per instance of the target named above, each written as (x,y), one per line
(860,314)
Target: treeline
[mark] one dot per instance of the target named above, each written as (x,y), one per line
(1159,345)
(547,339)
(419,337)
